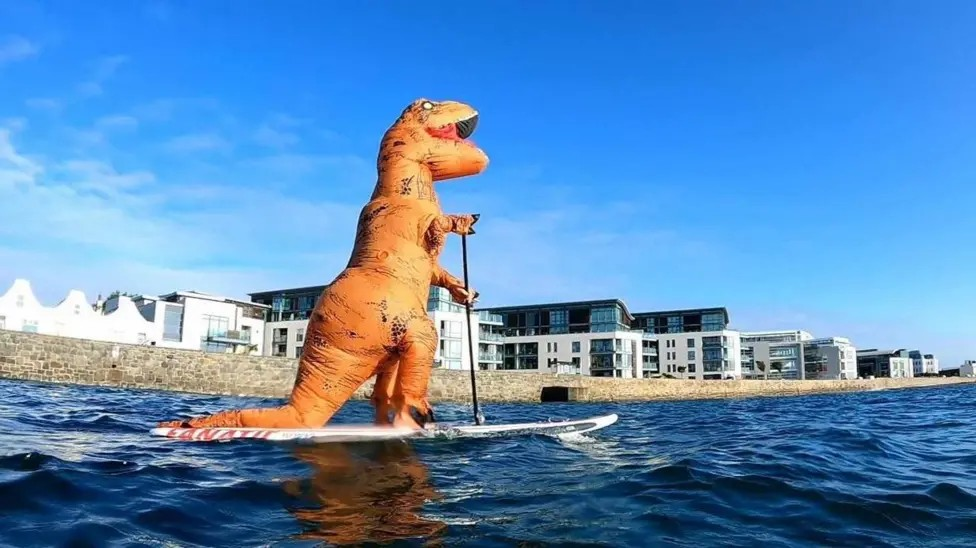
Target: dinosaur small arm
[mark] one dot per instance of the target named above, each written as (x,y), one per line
(372,319)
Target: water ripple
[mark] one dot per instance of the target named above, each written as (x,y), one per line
(887,468)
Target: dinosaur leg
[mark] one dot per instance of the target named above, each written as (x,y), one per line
(327,378)
(382,396)
(418,347)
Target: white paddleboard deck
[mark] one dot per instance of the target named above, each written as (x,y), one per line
(360,433)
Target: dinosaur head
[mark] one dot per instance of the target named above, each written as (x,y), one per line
(435,134)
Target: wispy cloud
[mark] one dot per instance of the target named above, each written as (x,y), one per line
(117,122)
(198,142)
(17,48)
(44,103)
(104,68)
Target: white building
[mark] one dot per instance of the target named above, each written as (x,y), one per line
(701,355)
(930,365)
(901,367)
(187,320)
(773,354)
(200,321)
(20,310)
(968,369)
(829,358)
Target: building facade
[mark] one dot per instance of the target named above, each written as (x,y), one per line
(924,364)
(693,343)
(872,362)
(773,354)
(186,320)
(591,338)
(829,358)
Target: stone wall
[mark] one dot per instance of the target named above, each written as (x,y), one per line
(47,358)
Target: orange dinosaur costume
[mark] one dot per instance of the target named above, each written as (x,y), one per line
(372,319)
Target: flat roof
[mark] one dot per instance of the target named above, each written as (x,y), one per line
(306,289)
(683,311)
(209,297)
(567,304)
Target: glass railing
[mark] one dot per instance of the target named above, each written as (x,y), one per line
(490,356)
(488,317)
(485,336)
(230,335)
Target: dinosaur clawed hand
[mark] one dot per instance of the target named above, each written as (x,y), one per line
(463,296)
(463,224)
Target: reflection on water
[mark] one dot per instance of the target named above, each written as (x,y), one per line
(360,492)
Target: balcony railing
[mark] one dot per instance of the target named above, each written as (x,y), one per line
(486,317)
(230,336)
(490,356)
(487,336)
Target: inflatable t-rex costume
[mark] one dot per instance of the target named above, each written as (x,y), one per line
(372,319)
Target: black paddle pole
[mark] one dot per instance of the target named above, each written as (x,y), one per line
(479,418)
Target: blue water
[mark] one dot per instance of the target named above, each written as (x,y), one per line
(886,468)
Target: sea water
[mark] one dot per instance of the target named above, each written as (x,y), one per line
(888,468)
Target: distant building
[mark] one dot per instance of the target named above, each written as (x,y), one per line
(884,363)
(200,321)
(693,343)
(183,319)
(829,358)
(968,369)
(773,354)
(924,364)
(591,338)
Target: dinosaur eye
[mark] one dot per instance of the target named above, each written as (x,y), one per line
(427,105)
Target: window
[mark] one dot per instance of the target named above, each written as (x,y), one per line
(576,346)
(20,301)
(30,326)
(691,343)
(173,323)
(691,355)
(77,309)
(300,334)
(298,351)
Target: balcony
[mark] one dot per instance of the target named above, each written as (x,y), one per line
(231,336)
(486,317)
(490,356)
(487,336)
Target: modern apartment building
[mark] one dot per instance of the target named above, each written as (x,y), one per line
(591,338)
(924,364)
(884,363)
(693,343)
(452,346)
(829,358)
(773,354)
(212,323)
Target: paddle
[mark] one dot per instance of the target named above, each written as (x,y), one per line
(479,418)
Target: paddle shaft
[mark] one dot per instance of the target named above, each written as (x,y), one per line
(478,417)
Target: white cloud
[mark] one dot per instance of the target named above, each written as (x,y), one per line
(44,103)
(17,48)
(196,142)
(274,138)
(117,122)
(104,68)
(83,222)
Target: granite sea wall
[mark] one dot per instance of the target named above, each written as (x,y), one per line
(45,358)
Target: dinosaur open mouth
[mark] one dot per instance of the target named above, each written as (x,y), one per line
(466,127)
(458,131)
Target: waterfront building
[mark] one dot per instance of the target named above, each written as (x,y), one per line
(924,364)
(884,363)
(591,338)
(829,358)
(773,354)
(694,343)
(968,369)
(185,319)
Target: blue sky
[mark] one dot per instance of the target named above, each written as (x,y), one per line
(807,165)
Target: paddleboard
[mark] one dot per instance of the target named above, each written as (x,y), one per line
(369,432)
